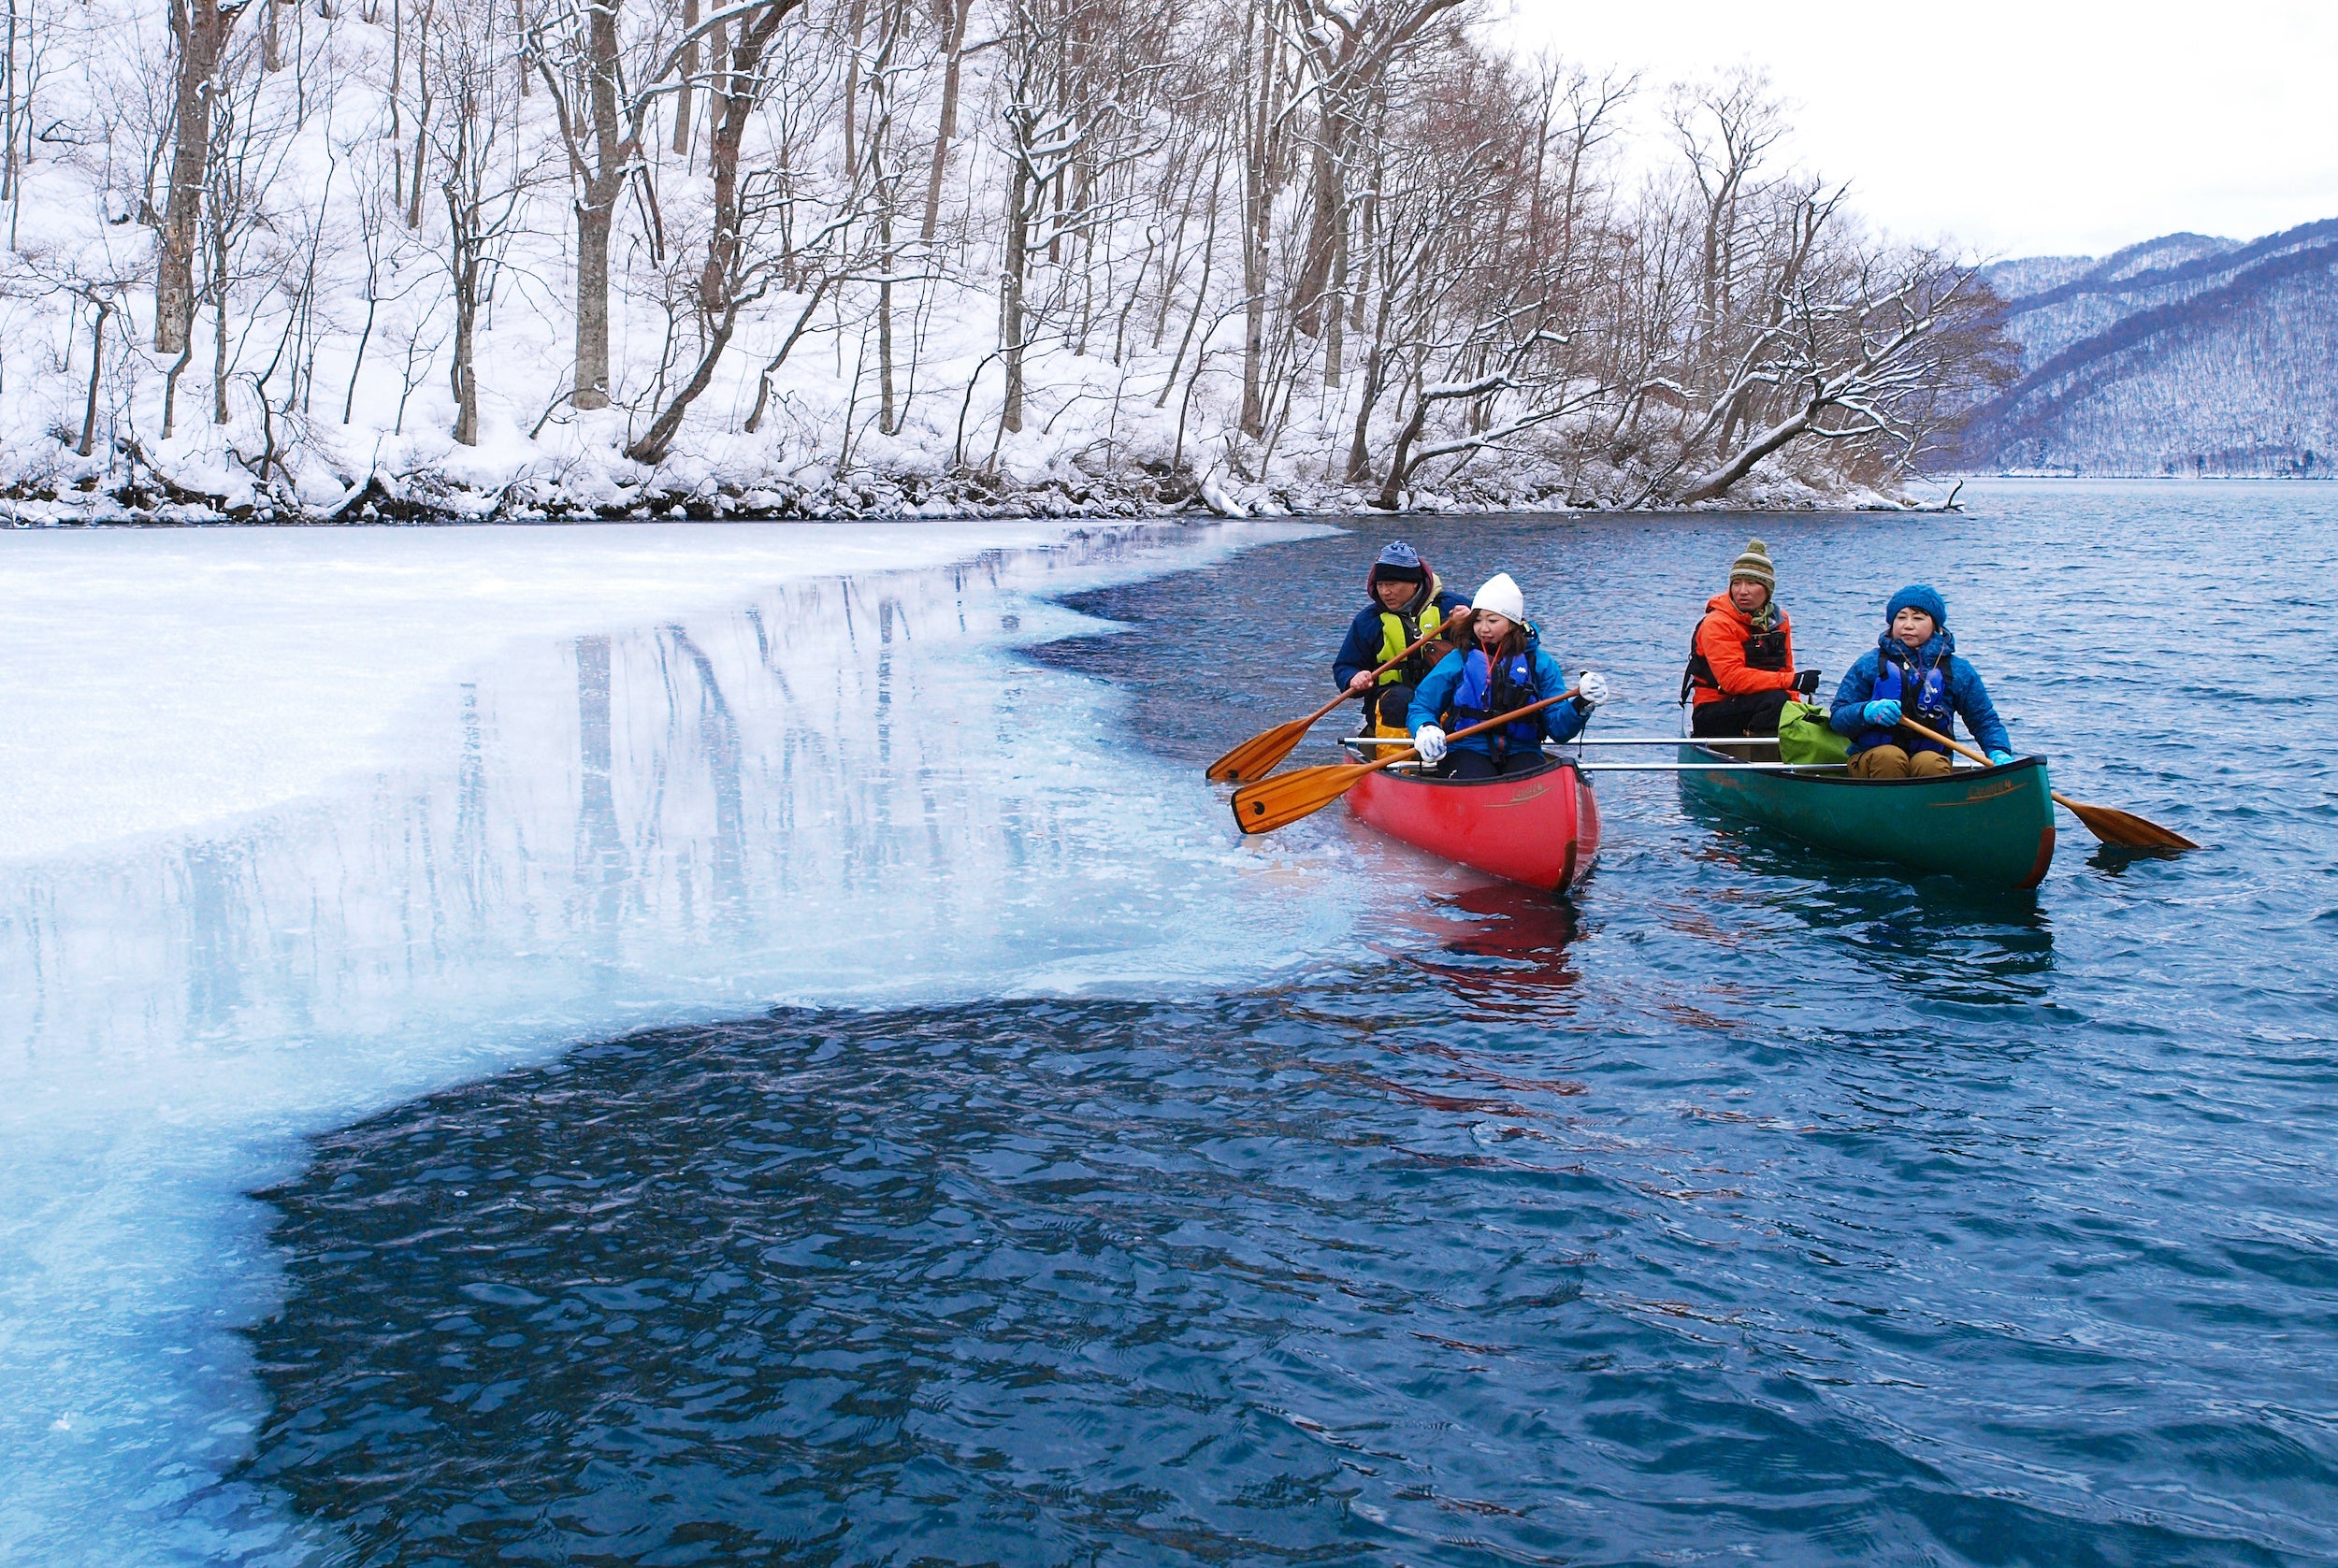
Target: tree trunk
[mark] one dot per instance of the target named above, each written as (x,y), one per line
(593,219)
(461,375)
(1360,448)
(1393,488)
(1018,202)
(200,27)
(96,365)
(689,72)
(1336,311)
(1315,276)
(887,421)
(596,210)
(947,128)
(219,323)
(852,90)
(1257,220)
(1713,485)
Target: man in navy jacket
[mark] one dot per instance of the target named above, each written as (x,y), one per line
(1406,602)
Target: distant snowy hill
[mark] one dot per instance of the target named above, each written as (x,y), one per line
(2185,355)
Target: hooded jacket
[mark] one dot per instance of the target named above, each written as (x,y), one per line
(1961,693)
(1434,701)
(1720,641)
(1368,644)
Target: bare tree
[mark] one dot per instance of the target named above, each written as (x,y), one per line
(472,59)
(735,275)
(200,30)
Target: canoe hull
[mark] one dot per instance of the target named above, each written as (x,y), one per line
(1991,826)
(1542,830)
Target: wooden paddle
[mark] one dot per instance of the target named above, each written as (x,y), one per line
(2107,823)
(1258,756)
(1277,803)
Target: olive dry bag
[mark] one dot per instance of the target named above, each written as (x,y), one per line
(1805,737)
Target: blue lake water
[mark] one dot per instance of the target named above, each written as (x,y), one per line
(1756,1205)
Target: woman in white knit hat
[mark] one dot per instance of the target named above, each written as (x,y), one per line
(1740,666)
(1506,669)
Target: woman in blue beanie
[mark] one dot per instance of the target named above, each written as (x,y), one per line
(1913,671)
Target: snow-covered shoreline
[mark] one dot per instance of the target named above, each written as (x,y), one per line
(874,498)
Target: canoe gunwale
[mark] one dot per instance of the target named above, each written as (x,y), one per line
(1958,777)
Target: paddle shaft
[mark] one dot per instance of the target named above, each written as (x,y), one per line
(1982,757)
(1262,752)
(1496,722)
(1348,695)
(2107,823)
(1645,741)
(1278,802)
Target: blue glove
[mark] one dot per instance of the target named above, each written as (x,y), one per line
(1884,714)
(1999,759)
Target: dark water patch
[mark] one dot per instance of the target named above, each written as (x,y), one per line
(1296,1277)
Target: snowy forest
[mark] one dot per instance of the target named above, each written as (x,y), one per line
(384,258)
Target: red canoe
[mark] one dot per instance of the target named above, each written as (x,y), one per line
(1542,830)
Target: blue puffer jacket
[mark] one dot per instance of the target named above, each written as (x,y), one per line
(1961,689)
(1433,701)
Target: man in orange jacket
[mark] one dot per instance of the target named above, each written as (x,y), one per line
(1742,659)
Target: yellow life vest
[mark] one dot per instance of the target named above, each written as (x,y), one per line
(1394,639)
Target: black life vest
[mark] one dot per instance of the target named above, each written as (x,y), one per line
(1764,650)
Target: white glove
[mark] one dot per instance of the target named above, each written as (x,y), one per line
(1592,689)
(1429,740)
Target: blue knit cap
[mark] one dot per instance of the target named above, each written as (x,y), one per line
(1401,556)
(1919,596)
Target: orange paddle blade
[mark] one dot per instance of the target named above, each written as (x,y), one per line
(2124,829)
(1278,802)
(2110,824)
(1258,756)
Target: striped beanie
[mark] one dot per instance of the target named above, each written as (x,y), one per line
(1754,564)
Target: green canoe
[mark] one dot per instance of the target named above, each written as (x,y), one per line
(1988,826)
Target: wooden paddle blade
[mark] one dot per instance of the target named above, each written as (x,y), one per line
(2124,829)
(1278,802)
(1258,756)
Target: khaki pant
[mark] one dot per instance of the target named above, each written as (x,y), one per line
(1890,762)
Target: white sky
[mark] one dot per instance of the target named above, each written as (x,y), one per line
(2045,127)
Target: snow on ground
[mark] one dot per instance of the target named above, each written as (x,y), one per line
(311,824)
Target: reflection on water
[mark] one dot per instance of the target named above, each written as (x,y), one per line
(1499,947)
(837,791)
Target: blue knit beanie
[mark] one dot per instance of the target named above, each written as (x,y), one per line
(1919,596)
(1399,563)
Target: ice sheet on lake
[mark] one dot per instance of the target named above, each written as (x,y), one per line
(409,807)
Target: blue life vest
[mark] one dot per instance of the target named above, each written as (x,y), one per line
(1922,693)
(1485,692)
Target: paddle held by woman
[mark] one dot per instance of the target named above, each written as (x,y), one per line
(1260,754)
(1277,803)
(2107,823)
